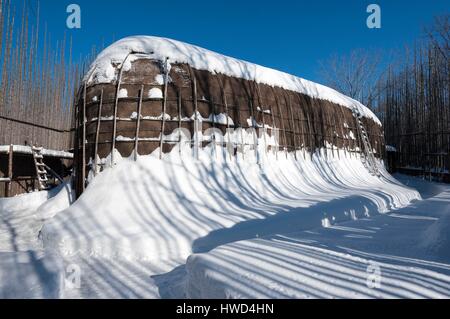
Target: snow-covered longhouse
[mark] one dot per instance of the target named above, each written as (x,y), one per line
(145,95)
(247,152)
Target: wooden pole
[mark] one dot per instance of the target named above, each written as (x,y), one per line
(83,160)
(224,100)
(329,127)
(161,140)
(179,102)
(315,125)
(194,93)
(345,141)
(254,125)
(76,145)
(258,94)
(97,132)
(10,171)
(213,138)
(302,121)
(288,102)
(281,120)
(138,123)
(274,129)
(335,138)
(307,134)
(116,102)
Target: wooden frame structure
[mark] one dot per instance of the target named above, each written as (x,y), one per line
(191,99)
(17,170)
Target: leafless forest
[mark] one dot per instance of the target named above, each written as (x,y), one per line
(410,95)
(37,80)
(414,103)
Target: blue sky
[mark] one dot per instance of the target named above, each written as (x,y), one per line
(287,35)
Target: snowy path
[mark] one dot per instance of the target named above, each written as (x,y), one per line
(409,247)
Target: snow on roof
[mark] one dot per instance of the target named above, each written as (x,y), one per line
(390,148)
(103,69)
(22,149)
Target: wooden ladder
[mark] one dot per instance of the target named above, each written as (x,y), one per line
(41,170)
(368,157)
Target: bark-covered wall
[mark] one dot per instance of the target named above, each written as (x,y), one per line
(302,121)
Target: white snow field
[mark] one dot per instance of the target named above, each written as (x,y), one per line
(25,270)
(319,227)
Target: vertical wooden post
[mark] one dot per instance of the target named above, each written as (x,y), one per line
(274,129)
(164,106)
(97,132)
(301,123)
(138,123)
(83,160)
(307,134)
(194,98)
(76,145)
(328,127)
(213,109)
(288,101)
(10,171)
(281,120)
(344,140)
(116,102)
(179,119)
(315,124)
(335,137)
(224,100)
(258,94)
(254,125)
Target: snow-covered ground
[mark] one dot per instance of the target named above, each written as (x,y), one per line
(316,227)
(25,270)
(403,254)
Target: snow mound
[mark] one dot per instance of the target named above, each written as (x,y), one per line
(30,274)
(291,267)
(103,69)
(155,209)
(436,238)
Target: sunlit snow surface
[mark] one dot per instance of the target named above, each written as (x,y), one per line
(216,227)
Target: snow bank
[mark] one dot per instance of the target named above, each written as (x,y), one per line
(288,266)
(405,254)
(159,210)
(103,69)
(30,274)
(63,198)
(23,202)
(56,199)
(436,238)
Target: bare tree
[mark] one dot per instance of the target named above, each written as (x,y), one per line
(37,81)
(439,35)
(354,74)
(414,104)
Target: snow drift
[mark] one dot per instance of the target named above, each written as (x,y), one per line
(158,210)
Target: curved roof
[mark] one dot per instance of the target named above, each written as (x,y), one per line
(104,68)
